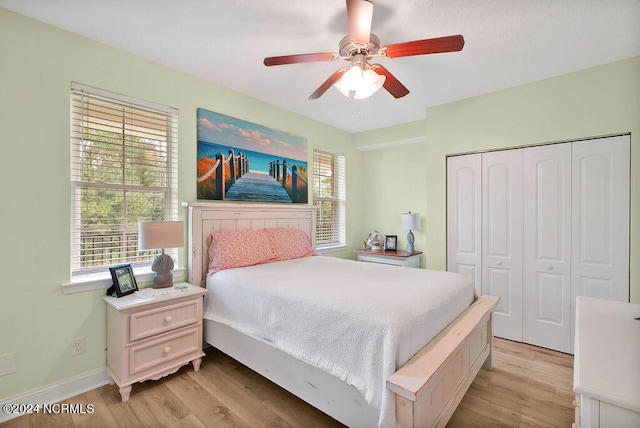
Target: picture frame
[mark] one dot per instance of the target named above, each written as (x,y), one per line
(242,161)
(390,242)
(124,282)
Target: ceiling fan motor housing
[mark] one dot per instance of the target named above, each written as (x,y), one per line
(349,48)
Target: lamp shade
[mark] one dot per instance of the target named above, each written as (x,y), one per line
(411,221)
(156,235)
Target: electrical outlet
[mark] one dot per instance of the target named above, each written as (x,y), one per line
(7,363)
(77,346)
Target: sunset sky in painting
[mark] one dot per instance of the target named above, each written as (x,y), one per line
(228,131)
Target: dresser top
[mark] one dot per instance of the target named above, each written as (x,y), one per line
(399,254)
(607,351)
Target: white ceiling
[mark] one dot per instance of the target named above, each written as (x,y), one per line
(508,43)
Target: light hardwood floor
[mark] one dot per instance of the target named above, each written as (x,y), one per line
(528,387)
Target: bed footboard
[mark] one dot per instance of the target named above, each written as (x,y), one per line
(430,385)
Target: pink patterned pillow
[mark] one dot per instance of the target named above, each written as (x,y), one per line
(238,248)
(289,244)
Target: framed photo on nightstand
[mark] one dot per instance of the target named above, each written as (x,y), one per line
(123,280)
(390,242)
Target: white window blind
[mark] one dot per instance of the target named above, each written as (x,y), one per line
(329,195)
(123,171)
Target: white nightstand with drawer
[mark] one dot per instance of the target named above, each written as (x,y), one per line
(149,337)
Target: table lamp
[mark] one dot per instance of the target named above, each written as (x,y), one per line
(410,221)
(161,235)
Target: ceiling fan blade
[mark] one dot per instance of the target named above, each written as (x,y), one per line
(427,46)
(295,59)
(328,83)
(391,84)
(359,14)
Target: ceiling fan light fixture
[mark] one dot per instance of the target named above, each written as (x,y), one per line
(358,83)
(359,79)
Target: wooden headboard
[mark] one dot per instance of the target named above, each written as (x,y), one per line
(208,217)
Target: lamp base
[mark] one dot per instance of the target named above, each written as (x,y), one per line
(163,280)
(162,266)
(410,240)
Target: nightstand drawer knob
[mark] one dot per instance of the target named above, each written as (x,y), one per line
(167,349)
(167,319)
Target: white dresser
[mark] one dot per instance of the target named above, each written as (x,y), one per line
(606,371)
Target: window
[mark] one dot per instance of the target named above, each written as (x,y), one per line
(329,196)
(123,170)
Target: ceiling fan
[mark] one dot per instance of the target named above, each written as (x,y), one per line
(361,79)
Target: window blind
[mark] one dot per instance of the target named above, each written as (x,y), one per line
(123,171)
(329,195)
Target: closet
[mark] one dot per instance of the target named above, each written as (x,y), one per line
(538,226)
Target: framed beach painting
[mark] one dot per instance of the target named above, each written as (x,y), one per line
(243,161)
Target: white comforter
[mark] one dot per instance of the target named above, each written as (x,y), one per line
(358,321)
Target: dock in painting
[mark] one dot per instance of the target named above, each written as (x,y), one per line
(257,187)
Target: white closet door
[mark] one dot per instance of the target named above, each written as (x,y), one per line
(502,239)
(464,210)
(547,247)
(600,253)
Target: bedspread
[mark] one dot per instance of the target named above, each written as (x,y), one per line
(357,321)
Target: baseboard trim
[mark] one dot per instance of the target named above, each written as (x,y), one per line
(58,391)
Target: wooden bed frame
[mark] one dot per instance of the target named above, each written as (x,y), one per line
(427,389)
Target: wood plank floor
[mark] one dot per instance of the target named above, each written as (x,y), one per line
(528,387)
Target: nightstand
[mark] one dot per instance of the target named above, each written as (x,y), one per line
(149,337)
(396,258)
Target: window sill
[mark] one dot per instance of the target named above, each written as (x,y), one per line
(331,248)
(102,280)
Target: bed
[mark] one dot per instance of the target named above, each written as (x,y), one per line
(423,391)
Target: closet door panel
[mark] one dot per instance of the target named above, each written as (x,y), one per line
(601,180)
(464,227)
(502,238)
(601,217)
(547,247)
(500,282)
(550,301)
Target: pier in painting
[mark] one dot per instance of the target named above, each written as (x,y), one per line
(230,178)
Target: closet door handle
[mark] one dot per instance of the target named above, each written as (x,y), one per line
(550,268)
(499,264)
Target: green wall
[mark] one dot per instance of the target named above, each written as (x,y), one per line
(37,64)
(598,101)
